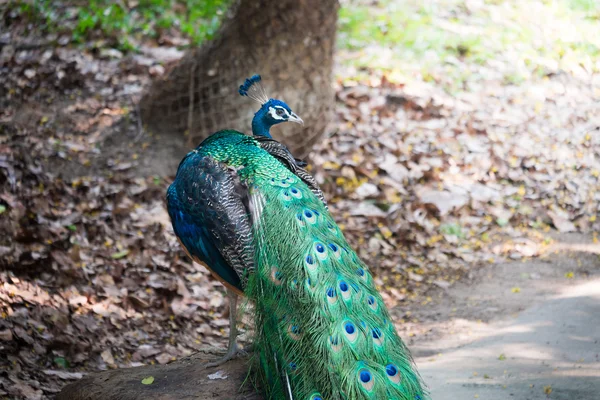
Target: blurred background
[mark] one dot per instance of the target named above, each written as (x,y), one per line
(456,141)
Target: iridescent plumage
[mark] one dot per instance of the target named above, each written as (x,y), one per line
(245,208)
(322,329)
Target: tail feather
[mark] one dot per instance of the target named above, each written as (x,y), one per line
(317,309)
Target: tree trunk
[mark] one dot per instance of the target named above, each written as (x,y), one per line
(182,380)
(289,42)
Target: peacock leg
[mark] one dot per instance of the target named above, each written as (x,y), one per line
(232,348)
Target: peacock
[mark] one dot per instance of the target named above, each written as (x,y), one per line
(247,209)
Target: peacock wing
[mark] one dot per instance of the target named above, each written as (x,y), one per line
(208,207)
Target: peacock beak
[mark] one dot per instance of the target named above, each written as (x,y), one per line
(296,119)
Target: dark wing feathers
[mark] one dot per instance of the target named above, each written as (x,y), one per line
(282,153)
(209,209)
(206,203)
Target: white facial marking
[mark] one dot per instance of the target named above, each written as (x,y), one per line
(273,113)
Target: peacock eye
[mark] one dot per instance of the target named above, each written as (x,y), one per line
(280,111)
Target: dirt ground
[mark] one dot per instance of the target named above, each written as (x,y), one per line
(517,330)
(450,178)
(512,330)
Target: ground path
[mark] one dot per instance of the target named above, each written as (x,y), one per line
(519,330)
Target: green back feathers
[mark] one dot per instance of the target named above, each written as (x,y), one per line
(322,329)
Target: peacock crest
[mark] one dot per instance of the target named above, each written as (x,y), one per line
(253,88)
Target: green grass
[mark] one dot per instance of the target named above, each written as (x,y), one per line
(123,23)
(588,6)
(445,41)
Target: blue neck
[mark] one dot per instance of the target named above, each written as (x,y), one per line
(260,127)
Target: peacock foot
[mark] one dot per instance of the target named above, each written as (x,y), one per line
(232,353)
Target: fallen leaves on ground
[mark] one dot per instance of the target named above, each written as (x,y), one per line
(424,184)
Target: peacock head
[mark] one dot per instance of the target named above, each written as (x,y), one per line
(271,112)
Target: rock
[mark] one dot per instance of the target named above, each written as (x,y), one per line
(186,378)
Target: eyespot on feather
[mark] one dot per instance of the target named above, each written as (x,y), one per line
(309,216)
(296,193)
(300,219)
(321,251)
(335,249)
(336,343)
(294,332)
(393,373)
(331,295)
(309,286)
(275,276)
(350,331)
(378,336)
(372,303)
(365,378)
(363,273)
(310,262)
(286,195)
(345,290)
(332,227)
